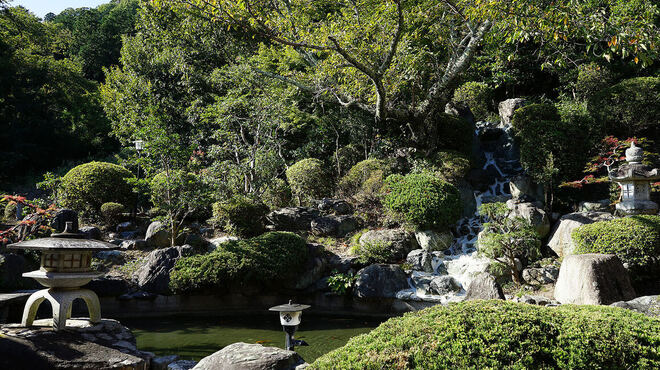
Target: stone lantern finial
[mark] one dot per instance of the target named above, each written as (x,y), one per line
(634,154)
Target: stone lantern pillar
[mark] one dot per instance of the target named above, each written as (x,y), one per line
(635,180)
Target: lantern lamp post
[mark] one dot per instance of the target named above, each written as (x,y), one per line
(290,317)
(65,267)
(635,180)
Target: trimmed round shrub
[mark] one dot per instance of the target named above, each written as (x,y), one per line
(366,176)
(370,253)
(477,96)
(308,180)
(422,200)
(629,108)
(635,240)
(591,79)
(240,216)
(87,186)
(111,212)
(10,211)
(505,335)
(277,194)
(528,114)
(270,260)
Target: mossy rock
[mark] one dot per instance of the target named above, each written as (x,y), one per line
(499,334)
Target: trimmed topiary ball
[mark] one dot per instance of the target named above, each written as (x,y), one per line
(87,186)
(635,240)
(422,200)
(111,212)
(629,108)
(505,335)
(309,180)
(477,96)
(270,260)
(240,216)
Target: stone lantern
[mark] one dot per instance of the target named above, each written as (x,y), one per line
(65,267)
(635,180)
(290,317)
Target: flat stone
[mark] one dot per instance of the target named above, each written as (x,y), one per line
(250,357)
(648,305)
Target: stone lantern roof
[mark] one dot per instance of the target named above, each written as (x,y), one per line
(68,240)
(634,169)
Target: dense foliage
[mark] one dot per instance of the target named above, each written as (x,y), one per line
(635,240)
(309,180)
(266,261)
(112,212)
(240,216)
(364,178)
(85,188)
(477,96)
(422,201)
(499,334)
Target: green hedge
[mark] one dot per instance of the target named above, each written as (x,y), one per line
(477,96)
(269,260)
(505,335)
(422,200)
(629,108)
(240,216)
(635,240)
(87,186)
(309,180)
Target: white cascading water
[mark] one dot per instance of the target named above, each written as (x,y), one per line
(461,260)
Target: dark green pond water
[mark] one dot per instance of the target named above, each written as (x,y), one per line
(197,337)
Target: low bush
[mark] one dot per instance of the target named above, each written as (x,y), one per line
(308,180)
(277,194)
(365,177)
(629,108)
(422,200)
(477,96)
(87,186)
(10,211)
(499,334)
(269,260)
(450,166)
(373,252)
(240,216)
(111,212)
(635,240)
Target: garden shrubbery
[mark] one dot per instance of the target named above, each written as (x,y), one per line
(309,180)
(111,212)
(422,200)
(87,186)
(499,334)
(635,240)
(240,216)
(277,194)
(629,108)
(365,177)
(10,211)
(477,96)
(591,79)
(267,260)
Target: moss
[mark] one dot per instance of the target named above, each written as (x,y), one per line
(499,334)
(422,200)
(87,186)
(240,216)
(635,240)
(477,96)
(308,180)
(269,260)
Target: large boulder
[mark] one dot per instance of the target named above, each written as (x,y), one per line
(420,260)
(105,345)
(445,284)
(432,241)
(399,242)
(158,235)
(593,279)
(380,281)
(602,205)
(292,218)
(333,225)
(154,275)
(560,239)
(524,188)
(484,286)
(245,356)
(506,109)
(336,206)
(532,213)
(91,232)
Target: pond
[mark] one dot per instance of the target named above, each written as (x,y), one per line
(197,337)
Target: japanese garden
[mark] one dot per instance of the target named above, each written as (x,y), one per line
(330,184)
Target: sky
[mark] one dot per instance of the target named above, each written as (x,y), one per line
(43,7)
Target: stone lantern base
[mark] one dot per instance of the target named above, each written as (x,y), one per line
(61,301)
(637,207)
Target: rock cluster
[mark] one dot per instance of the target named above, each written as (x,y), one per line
(251,357)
